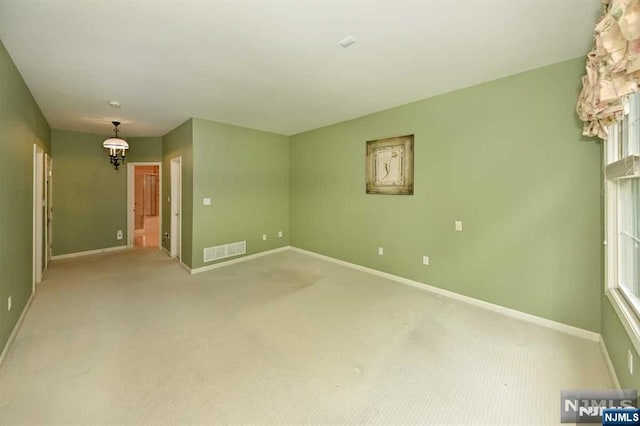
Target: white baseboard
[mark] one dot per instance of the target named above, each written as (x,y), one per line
(14,332)
(240,259)
(575,331)
(607,360)
(87,253)
(185,267)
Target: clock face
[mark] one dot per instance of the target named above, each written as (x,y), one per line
(388,163)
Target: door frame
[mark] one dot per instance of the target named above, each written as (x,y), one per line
(131,194)
(175,208)
(48,215)
(38,217)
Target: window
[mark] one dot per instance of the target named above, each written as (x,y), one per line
(628,239)
(622,217)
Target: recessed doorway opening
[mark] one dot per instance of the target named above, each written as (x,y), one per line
(144,216)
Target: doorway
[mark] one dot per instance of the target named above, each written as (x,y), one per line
(48,209)
(39,244)
(175,234)
(143,213)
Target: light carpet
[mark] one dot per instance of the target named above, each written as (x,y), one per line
(130,338)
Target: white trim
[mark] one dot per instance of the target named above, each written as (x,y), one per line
(616,166)
(46,227)
(238,260)
(33,219)
(38,221)
(626,317)
(575,331)
(607,360)
(14,332)
(185,267)
(88,252)
(626,167)
(175,207)
(130,195)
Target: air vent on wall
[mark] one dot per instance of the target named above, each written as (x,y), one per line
(227,250)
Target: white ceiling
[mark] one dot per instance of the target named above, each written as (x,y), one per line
(274,65)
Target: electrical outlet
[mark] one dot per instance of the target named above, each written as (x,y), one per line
(9,303)
(425,260)
(458,225)
(264,237)
(380,251)
(119,234)
(630,361)
(279,234)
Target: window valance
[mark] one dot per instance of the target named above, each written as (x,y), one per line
(613,67)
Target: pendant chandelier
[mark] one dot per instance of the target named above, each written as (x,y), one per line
(117,147)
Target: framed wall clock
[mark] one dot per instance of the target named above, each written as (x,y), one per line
(389,168)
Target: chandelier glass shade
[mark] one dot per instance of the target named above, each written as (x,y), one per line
(117,147)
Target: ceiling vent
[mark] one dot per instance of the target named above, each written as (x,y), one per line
(346,42)
(224,251)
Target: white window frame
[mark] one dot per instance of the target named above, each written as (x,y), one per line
(618,166)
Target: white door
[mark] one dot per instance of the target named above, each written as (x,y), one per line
(48,209)
(38,214)
(176,207)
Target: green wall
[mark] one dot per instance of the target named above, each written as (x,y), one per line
(246,173)
(89,195)
(21,126)
(506,158)
(617,342)
(179,143)
(144,149)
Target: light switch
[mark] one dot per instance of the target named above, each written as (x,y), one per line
(206,201)
(458,224)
